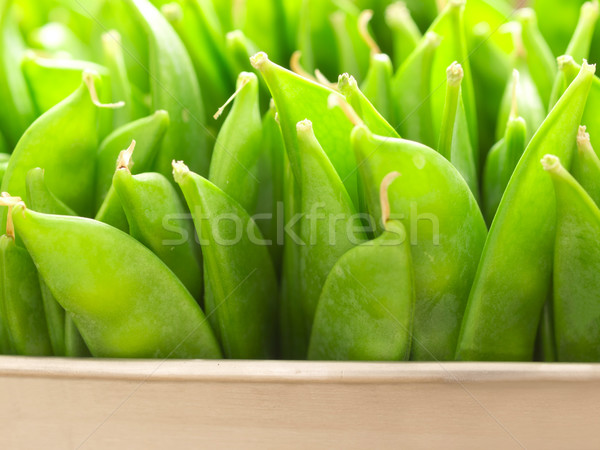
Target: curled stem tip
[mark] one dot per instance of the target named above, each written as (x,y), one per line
(383,195)
(125,161)
(180,171)
(88,78)
(7,200)
(455,74)
(243,79)
(259,60)
(297,67)
(337,100)
(323,80)
(514,108)
(550,163)
(363,29)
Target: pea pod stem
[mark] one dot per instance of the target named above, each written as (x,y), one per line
(454,77)
(297,68)
(336,101)
(583,140)
(7,200)
(88,79)
(363,29)
(384,198)
(243,81)
(125,160)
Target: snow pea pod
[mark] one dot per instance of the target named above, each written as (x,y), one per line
(363,107)
(513,277)
(237,154)
(297,98)
(586,166)
(454,142)
(576,267)
(63,141)
(17,111)
(20,297)
(157,218)
(174,88)
(540,59)
(365,311)
(239,49)
(411,87)
(581,41)
(328,226)
(240,284)
(147,132)
(406,33)
(502,160)
(446,232)
(118,312)
(449,25)
(62,330)
(111,212)
(352,52)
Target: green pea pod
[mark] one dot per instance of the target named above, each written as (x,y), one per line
(75,346)
(148,134)
(174,88)
(411,87)
(52,80)
(240,283)
(111,211)
(270,193)
(491,67)
(444,254)
(500,164)
(197,26)
(586,166)
(528,100)
(55,37)
(237,155)
(590,115)
(21,301)
(126,316)
(540,59)
(449,25)
(157,218)
(63,141)
(406,33)
(545,346)
(454,143)
(353,52)
(576,267)
(17,110)
(120,87)
(513,277)
(377,85)
(581,41)
(322,242)
(239,49)
(365,311)
(363,107)
(298,98)
(61,327)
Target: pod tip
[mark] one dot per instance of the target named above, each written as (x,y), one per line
(590,8)
(259,60)
(345,81)
(432,39)
(234,35)
(124,161)
(550,163)
(564,61)
(304,126)
(588,67)
(180,171)
(111,37)
(173,12)
(455,74)
(396,13)
(583,139)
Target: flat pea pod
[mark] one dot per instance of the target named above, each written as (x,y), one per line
(111,211)
(61,328)
(586,166)
(361,105)
(199,29)
(118,312)
(63,141)
(576,268)
(365,311)
(240,284)
(449,25)
(406,33)
(513,277)
(454,143)
(147,132)
(239,49)
(540,59)
(17,111)
(581,41)
(237,154)
(446,232)
(411,87)
(174,88)
(157,218)
(296,99)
